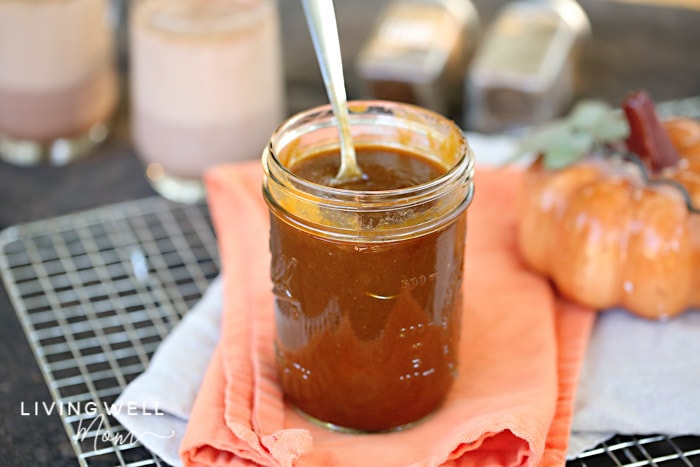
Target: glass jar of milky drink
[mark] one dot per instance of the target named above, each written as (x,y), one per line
(206,87)
(58,82)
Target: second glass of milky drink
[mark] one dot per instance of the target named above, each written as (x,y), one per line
(367,275)
(207,87)
(58,79)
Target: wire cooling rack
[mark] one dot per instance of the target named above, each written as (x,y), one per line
(97,291)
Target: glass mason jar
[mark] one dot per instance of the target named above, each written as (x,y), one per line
(367,284)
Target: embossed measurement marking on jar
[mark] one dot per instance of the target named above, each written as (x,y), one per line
(407,283)
(413,282)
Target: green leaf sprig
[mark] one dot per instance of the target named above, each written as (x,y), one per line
(564,141)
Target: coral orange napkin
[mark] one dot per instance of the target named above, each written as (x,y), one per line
(520,356)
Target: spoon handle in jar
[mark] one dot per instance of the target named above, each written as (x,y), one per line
(320,16)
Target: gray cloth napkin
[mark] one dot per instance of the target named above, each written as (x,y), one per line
(639,377)
(164,394)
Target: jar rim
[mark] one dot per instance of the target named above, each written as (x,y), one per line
(378,215)
(357,110)
(189,20)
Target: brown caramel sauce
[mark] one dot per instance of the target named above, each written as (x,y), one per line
(367,332)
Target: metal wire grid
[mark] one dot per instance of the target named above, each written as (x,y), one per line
(637,451)
(96,292)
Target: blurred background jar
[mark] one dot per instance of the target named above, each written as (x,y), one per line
(418,52)
(58,82)
(526,67)
(206,87)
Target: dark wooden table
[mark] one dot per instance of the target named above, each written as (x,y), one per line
(633,46)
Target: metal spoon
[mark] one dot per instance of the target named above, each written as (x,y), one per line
(320,17)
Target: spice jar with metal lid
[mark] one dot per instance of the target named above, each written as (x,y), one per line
(418,52)
(524,71)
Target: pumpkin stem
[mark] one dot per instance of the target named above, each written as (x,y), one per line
(647,137)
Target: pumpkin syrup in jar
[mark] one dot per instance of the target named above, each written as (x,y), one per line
(367,282)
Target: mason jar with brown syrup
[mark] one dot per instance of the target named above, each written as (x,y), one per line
(367,275)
